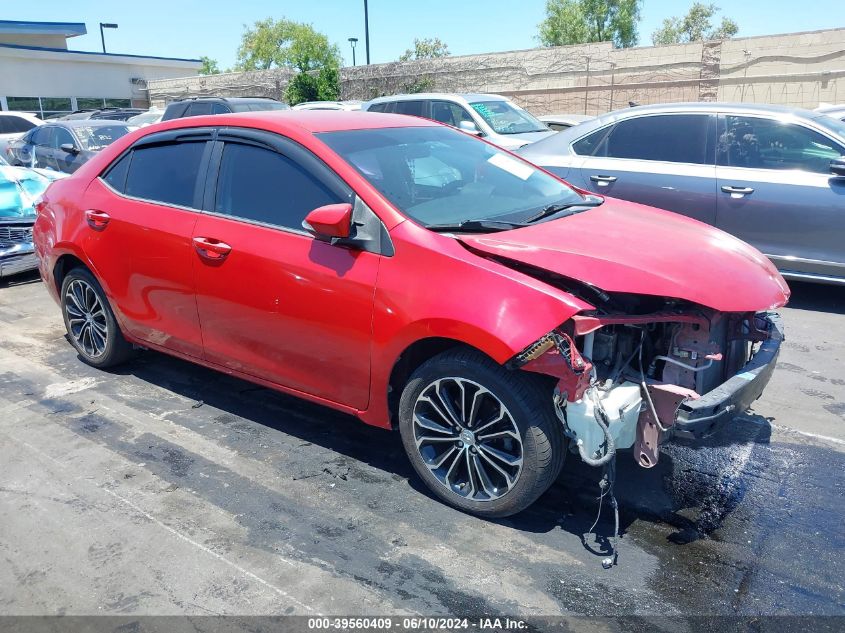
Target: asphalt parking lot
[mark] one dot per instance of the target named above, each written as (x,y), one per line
(164,488)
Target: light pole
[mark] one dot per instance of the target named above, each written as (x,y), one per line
(105,25)
(367,31)
(352,42)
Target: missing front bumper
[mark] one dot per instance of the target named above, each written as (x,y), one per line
(696,419)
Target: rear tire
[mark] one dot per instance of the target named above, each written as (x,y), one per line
(91,326)
(484,439)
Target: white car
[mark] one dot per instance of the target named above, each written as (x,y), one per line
(13,125)
(492,117)
(328,105)
(153,115)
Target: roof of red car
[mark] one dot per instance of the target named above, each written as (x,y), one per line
(309,120)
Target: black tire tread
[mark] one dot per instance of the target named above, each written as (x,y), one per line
(119,349)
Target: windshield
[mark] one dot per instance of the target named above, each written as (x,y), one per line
(96,138)
(437,175)
(506,118)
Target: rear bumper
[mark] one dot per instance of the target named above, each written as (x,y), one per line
(17,258)
(699,418)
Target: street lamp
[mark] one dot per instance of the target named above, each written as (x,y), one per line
(352,42)
(105,25)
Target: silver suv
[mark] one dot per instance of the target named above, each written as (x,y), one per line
(773,176)
(491,117)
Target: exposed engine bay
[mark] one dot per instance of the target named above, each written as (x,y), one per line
(624,378)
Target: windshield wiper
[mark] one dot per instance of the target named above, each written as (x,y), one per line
(475,226)
(552,209)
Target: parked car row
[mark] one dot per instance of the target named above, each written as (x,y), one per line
(64,145)
(772,176)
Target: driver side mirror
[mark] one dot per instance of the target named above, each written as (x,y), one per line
(70,148)
(837,166)
(469,126)
(330,222)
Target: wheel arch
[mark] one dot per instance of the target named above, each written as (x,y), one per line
(393,364)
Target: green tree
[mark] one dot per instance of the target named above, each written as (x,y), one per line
(209,66)
(582,21)
(285,43)
(695,26)
(426,48)
(321,85)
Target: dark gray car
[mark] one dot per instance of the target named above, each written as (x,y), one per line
(65,145)
(772,176)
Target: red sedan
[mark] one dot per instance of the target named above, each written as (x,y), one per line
(416,277)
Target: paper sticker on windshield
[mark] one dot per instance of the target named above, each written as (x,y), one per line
(511,165)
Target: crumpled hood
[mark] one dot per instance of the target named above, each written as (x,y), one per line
(20,187)
(626,247)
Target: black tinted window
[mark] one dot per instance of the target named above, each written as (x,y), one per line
(116,174)
(14,124)
(261,185)
(449,113)
(61,136)
(413,108)
(678,138)
(769,144)
(219,108)
(377,107)
(165,173)
(41,136)
(199,107)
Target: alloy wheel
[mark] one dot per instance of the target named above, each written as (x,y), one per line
(86,318)
(467,438)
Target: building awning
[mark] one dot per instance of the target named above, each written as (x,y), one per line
(67,29)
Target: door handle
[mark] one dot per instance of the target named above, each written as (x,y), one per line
(737,191)
(97,220)
(603,180)
(211,249)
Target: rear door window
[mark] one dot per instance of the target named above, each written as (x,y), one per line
(760,143)
(10,124)
(262,185)
(412,108)
(198,108)
(673,138)
(165,173)
(41,136)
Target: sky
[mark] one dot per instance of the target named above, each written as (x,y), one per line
(195,28)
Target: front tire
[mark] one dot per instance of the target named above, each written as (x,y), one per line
(483,439)
(91,326)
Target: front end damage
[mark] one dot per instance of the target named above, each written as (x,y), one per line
(663,368)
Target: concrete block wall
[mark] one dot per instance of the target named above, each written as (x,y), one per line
(796,69)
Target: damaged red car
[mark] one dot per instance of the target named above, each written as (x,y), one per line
(419,278)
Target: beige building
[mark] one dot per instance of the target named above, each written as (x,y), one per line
(39,74)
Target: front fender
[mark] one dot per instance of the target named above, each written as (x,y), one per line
(461,297)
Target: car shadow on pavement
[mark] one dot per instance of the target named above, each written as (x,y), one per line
(817,297)
(692,489)
(21,279)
